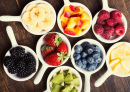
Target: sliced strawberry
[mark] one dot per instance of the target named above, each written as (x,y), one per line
(72,7)
(70,32)
(80,23)
(62,47)
(52,39)
(67,14)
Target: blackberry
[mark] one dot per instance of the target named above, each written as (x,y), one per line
(12,68)
(17,52)
(20,65)
(8,60)
(28,57)
(22,73)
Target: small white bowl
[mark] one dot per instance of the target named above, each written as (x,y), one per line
(19,18)
(40,43)
(85,72)
(109,71)
(27,49)
(63,68)
(67,3)
(112,39)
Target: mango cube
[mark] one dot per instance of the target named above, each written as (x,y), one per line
(78,31)
(64,19)
(73,22)
(85,16)
(67,8)
(86,24)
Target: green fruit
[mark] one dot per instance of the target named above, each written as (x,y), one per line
(76,81)
(69,77)
(73,90)
(59,78)
(68,88)
(56,88)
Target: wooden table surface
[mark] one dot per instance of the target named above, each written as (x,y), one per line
(14,7)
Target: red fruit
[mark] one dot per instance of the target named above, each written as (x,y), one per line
(116,15)
(77,9)
(114,34)
(64,25)
(52,39)
(67,14)
(69,32)
(108,30)
(72,7)
(105,36)
(80,23)
(103,15)
(111,22)
(101,22)
(119,29)
(62,47)
(76,15)
(46,50)
(98,29)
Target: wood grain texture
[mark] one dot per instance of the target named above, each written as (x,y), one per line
(14,7)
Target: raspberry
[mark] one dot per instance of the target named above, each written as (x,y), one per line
(116,15)
(103,15)
(114,34)
(111,22)
(101,22)
(119,29)
(98,29)
(105,35)
(108,30)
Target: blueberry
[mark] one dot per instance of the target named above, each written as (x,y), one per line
(90,60)
(96,54)
(78,48)
(76,56)
(92,67)
(83,54)
(98,60)
(84,61)
(85,44)
(89,50)
(79,63)
(84,66)
(96,48)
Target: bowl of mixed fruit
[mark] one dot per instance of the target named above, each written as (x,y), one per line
(74,19)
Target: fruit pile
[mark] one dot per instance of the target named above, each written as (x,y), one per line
(20,63)
(87,56)
(64,81)
(38,17)
(120,59)
(54,50)
(74,20)
(109,24)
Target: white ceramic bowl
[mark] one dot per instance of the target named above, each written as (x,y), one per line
(63,68)
(40,43)
(27,49)
(109,72)
(19,18)
(67,3)
(112,39)
(85,72)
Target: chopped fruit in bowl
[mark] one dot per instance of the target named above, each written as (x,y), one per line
(74,20)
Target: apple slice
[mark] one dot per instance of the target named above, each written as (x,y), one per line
(80,23)
(72,7)
(67,14)
(70,31)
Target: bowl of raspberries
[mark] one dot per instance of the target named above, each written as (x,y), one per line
(20,63)
(109,26)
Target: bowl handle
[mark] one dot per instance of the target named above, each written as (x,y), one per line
(66,1)
(40,75)
(87,83)
(10,33)
(6,18)
(102,79)
(105,4)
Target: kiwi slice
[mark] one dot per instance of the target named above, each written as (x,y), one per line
(68,77)
(68,88)
(73,90)
(76,81)
(56,88)
(59,78)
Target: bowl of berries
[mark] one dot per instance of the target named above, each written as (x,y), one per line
(109,25)
(88,56)
(53,49)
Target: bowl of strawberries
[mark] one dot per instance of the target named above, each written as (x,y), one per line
(53,49)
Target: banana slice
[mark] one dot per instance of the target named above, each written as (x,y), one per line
(28,20)
(38,14)
(46,8)
(35,29)
(30,7)
(47,23)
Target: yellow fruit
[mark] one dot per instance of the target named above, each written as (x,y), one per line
(64,19)
(120,69)
(85,16)
(86,24)
(114,62)
(72,22)
(78,31)
(68,9)
(81,10)
(126,62)
(127,50)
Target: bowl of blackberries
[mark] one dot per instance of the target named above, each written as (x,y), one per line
(88,55)
(20,63)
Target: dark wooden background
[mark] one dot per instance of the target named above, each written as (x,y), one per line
(14,7)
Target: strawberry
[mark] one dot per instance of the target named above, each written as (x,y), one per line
(52,39)
(62,47)
(55,58)
(46,50)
